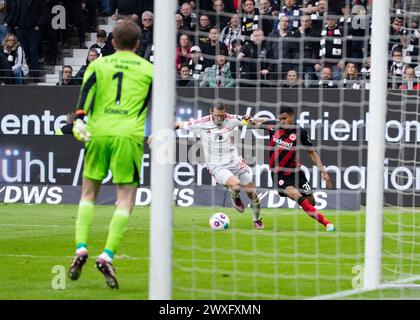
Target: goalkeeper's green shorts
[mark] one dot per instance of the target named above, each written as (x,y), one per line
(122,155)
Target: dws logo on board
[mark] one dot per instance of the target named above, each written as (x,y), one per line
(31,194)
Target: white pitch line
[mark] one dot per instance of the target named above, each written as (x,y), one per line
(33,256)
(23,255)
(34,225)
(339,294)
(180,260)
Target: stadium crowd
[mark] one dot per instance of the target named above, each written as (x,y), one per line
(221,43)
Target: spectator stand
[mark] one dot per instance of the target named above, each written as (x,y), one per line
(76,57)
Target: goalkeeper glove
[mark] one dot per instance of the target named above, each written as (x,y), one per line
(79,131)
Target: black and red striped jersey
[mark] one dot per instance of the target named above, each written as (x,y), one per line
(283,145)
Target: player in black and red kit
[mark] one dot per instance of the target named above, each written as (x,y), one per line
(290,180)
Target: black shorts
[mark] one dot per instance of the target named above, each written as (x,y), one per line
(295,179)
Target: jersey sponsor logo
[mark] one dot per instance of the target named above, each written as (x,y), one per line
(285,144)
(292,137)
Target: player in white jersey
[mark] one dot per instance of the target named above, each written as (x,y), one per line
(229,169)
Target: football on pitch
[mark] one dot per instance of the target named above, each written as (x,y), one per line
(219,221)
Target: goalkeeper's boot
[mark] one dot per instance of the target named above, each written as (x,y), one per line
(108,271)
(238,204)
(330,227)
(76,266)
(258,224)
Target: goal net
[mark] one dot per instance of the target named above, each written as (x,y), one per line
(258,58)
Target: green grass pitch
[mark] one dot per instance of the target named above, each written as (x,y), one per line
(293,257)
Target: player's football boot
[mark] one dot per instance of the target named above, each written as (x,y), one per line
(238,204)
(76,266)
(330,227)
(258,224)
(108,271)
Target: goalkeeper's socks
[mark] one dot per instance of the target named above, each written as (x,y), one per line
(117,228)
(312,211)
(84,221)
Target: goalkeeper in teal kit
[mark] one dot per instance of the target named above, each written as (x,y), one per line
(114,98)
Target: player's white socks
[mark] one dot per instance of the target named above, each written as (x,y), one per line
(256,208)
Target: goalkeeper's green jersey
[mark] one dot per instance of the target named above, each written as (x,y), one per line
(115,93)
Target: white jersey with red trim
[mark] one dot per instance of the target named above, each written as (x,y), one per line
(218,141)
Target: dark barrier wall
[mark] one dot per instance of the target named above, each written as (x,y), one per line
(337,123)
(37,169)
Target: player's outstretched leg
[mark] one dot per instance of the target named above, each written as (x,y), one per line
(314,213)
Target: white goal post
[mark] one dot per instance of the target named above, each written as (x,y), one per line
(376,151)
(160,266)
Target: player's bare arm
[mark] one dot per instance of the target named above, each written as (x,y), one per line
(317,161)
